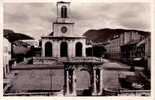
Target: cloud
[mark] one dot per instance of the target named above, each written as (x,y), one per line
(136,18)
(35,19)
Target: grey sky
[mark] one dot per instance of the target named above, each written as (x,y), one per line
(35,19)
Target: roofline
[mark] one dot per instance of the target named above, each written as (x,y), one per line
(63,2)
(58,37)
(63,23)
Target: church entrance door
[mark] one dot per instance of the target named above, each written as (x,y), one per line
(78,49)
(63,49)
(48,49)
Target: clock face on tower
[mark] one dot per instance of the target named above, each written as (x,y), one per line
(64,29)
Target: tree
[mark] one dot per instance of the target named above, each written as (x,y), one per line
(98,51)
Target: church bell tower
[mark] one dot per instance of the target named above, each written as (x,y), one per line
(63,26)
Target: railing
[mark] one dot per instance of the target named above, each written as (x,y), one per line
(84,59)
(68,59)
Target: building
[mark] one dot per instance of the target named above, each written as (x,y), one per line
(63,42)
(122,40)
(130,36)
(34,47)
(6,56)
(130,51)
(148,52)
(114,47)
(20,47)
(6,63)
(34,43)
(19,50)
(133,50)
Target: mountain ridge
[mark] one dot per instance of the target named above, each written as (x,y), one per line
(13,36)
(102,35)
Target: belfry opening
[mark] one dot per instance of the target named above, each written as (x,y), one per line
(63,12)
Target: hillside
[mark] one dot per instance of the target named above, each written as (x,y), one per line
(13,36)
(102,35)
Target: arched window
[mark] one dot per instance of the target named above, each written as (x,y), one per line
(63,49)
(63,12)
(78,49)
(48,49)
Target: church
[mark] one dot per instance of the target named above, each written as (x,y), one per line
(63,42)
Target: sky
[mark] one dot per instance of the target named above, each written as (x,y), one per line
(35,19)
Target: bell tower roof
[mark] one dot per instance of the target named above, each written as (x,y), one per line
(63,2)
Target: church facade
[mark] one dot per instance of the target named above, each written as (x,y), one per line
(63,42)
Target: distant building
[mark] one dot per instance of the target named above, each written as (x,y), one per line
(20,47)
(120,46)
(133,51)
(130,36)
(114,47)
(130,52)
(34,43)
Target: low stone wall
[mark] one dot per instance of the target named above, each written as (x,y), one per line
(51,60)
(44,60)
